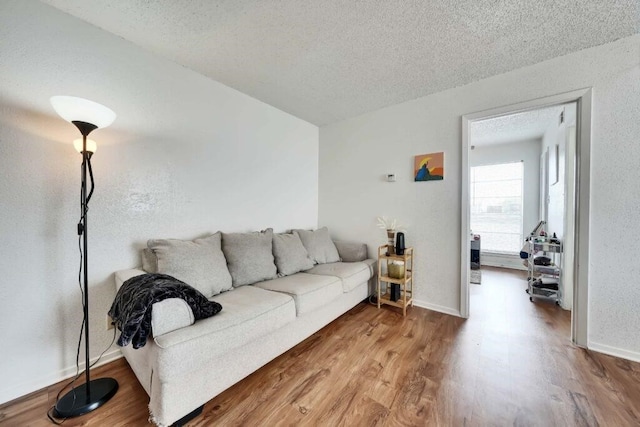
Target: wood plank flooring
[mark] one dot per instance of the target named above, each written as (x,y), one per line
(511,363)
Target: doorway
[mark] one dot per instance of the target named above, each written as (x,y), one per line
(575,197)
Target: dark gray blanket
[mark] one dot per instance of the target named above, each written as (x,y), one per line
(131,309)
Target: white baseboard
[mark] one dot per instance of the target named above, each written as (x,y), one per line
(436,307)
(35,384)
(614,351)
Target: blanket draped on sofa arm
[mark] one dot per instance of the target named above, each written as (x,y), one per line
(131,309)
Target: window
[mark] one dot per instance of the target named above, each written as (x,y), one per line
(496,206)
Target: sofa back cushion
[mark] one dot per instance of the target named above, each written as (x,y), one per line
(290,254)
(199,263)
(249,256)
(319,245)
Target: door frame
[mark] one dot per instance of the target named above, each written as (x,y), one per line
(581,178)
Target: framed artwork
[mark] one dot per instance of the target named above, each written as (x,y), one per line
(429,167)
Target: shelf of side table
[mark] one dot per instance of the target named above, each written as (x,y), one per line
(406,282)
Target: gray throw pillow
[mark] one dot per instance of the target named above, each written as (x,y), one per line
(199,263)
(249,256)
(149,261)
(290,254)
(319,245)
(351,251)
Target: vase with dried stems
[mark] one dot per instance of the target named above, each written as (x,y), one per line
(390,246)
(390,225)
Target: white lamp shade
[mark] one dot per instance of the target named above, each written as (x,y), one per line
(92,147)
(73,109)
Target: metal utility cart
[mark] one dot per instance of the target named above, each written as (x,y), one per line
(544,280)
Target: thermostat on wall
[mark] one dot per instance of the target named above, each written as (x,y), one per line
(391,177)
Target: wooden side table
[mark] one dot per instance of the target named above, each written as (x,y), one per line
(405,280)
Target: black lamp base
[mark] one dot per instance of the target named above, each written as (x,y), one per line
(76,402)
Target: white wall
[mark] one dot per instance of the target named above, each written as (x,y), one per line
(354,154)
(529,153)
(186,156)
(557,135)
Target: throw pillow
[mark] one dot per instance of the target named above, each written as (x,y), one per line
(249,256)
(319,245)
(149,261)
(199,263)
(351,251)
(290,254)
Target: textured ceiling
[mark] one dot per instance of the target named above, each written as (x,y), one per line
(523,126)
(329,60)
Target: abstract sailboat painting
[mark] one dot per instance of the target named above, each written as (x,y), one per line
(429,167)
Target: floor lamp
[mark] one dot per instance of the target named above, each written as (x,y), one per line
(86,116)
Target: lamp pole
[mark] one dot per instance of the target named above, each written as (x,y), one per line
(92,394)
(82,228)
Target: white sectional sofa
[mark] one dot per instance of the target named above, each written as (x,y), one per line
(184,364)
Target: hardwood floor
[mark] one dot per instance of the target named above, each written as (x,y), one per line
(511,363)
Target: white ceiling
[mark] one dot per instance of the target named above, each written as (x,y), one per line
(328,60)
(528,125)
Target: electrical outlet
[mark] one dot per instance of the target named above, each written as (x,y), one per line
(109,322)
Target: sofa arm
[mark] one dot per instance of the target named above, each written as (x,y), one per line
(167,315)
(124,275)
(351,251)
(170,314)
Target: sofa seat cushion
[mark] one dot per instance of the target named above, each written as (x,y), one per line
(248,313)
(309,291)
(351,273)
